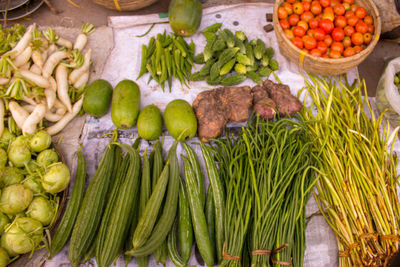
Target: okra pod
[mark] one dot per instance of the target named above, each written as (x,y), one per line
(144,61)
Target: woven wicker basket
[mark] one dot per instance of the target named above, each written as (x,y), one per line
(124,5)
(326,66)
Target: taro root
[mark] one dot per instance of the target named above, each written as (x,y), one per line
(286,103)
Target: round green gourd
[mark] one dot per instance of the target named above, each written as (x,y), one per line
(97,98)
(125,104)
(185,16)
(180,120)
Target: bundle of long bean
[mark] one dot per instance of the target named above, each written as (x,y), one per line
(167,57)
(357,191)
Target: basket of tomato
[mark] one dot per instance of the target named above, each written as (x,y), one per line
(327,37)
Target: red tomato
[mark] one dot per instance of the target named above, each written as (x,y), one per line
(349,30)
(328,40)
(309,42)
(361,26)
(303,24)
(307,16)
(298,42)
(352,21)
(313,23)
(328,10)
(293,19)
(299,31)
(325,56)
(329,16)
(367,38)
(346,41)
(316,8)
(348,52)
(346,6)
(334,54)
(348,14)
(298,8)
(338,34)
(360,12)
(311,33)
(284,24)
(319,34)
(340,22)
(339,10)
(353,8)
(357,49)
(306,5)
(291,1)
(322,46)
(368,20)
(371,28)
(348,1)
(326,25)
(316,52)
(288,8)
(325,3)
(282,13)
(357,38)
(289,34)
(337,46)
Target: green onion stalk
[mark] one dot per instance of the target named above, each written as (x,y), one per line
(356,191)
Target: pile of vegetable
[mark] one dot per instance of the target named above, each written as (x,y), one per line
(230,58)
(357,186)
(167,57)
(31,175)
(42,77)
(326,28)
(396,80)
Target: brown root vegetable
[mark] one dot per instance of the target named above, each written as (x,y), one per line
(263,105)
(216,107)
(286,103)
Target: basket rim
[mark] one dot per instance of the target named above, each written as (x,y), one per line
(363,53)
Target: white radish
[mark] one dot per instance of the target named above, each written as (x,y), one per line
(4,80)
(45,54)
(77,73)
(60,108)
(26,66)
(81,39)
(23,57)
(1,117)
(28,100)
(64,42)
(62,86)
(45,43)
(37,58)
(39,80)
(52,62)
(23,42)
(50,116)
(50,93)
(29,126)
(52,48)
(18,113)
(82,81)
(36,69)
(56,128)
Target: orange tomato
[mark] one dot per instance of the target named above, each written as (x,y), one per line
(339,10)
(337,34)
(368,20)
(329,16)
(322,46)
(325,3)
(349,51)
(306,5)
(284,24)
(299,31)
(326,25)
(328,40)
(348,1)
(313,23)
(353,8)
(311,32)
(319,34)
(346,41)
(357,38)
(361,27)
(337,46)
(289,34)
(367,38)
(335,54)
(298,42)
(352,21)
(335,3)
(316,52)
(293,19)
(316,8)
(298,8)
(303,24)
(340,21)
(309,42)
(371,28)
(360,12)
(357,49)
(307,16)
(349,30)
(282,13)
(288,8)
(348,14)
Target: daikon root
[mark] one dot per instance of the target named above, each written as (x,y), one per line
(52,62)
(81,39)
(18,113)
(23,57)
(1,117)
(36,69)
(30,124)
(77,73)
(62,86)
(22,43)
(57,127)
(39,80)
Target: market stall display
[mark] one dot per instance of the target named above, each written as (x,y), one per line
(243,198)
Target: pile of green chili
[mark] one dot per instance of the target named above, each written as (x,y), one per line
(357,185)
